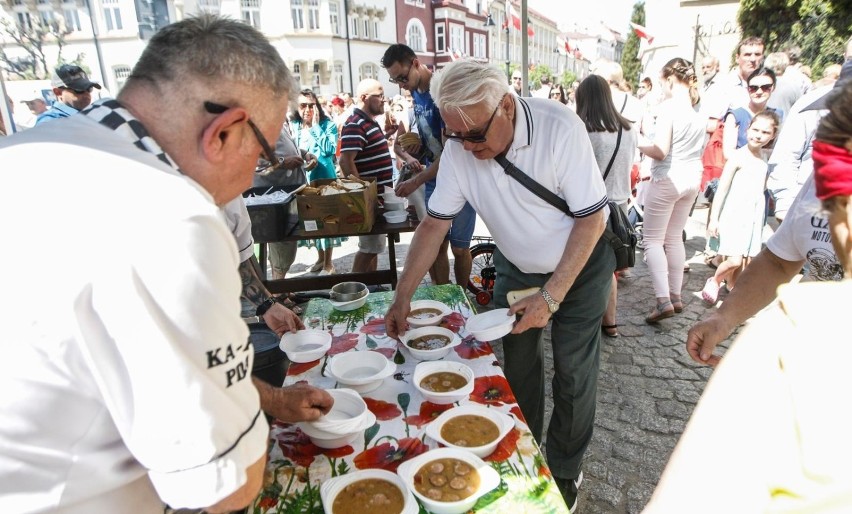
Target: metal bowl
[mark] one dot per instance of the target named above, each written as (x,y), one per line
(348,291)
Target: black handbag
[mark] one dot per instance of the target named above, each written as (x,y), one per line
(619,234)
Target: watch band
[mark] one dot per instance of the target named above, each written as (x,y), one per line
(552,304)
(263,307)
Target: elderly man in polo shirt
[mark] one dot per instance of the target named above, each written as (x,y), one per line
(539,246)
(73,91)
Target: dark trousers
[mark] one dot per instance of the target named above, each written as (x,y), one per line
(575,338)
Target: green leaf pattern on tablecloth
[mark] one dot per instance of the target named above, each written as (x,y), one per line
(290,488)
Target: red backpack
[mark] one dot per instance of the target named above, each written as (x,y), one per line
(713,157)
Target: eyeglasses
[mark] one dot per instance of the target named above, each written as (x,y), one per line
(78,91)
(402,79)
(517,78)
(307,106)
(378,95)
(268,152)
(479,137)
(556,93)
(764,87)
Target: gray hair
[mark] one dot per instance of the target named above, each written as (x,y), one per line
(777,62)
(466,82)
(215,50)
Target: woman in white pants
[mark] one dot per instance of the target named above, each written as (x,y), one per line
(675,179)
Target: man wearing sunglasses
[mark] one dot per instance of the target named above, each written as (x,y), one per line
(540,247)
(135,391)
(405,69)
(73,91)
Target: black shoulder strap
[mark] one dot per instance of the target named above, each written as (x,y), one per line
(621,111)
(614,153)
(538,189)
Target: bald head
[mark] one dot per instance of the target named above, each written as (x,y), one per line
(371,96)
(367,86)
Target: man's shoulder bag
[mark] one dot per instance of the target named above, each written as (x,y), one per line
(619,233)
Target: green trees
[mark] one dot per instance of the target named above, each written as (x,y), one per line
(819,27)
(629,61)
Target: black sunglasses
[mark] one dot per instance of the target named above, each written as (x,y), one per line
(306,105)
(480,137)
(764,87)
(79,91)
(402,79)
(268,152)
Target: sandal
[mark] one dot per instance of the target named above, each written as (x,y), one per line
(677,304)
(290,304)
(710,293)
(661,311)
(316,267)
(610,330)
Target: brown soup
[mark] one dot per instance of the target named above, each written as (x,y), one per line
(429,342)
(372,495)
(443,382)
(446,480)
(470,430)
(424,313)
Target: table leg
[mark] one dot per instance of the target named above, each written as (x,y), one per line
(392,260)
(262,261)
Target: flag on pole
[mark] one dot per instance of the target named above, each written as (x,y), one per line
(562,45)
(642,32)
(511,14)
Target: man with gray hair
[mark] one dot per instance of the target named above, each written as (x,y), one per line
(135,391)
(787,89)
(628,105)
(540,247)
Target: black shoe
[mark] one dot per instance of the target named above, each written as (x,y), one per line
(569,488)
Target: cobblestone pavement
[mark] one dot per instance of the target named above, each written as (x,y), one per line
(648,385)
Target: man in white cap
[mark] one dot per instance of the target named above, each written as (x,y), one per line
(36,104)
(73,91)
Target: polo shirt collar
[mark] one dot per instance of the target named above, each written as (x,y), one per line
(523,124)
(64,108)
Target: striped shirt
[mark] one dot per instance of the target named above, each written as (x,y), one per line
(362,134)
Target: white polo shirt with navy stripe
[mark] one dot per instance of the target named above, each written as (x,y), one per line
(552,146)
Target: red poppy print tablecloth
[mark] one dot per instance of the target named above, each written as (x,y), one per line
(296,467)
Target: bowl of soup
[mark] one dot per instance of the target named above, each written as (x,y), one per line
(448,480)
(372,491)
(471,427)
(430,343)
(426,313)
(362,371)
(443,382)
(305,345)
(345,422)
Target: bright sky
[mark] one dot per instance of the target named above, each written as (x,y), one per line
(615,13)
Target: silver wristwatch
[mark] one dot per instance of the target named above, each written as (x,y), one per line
(552,304)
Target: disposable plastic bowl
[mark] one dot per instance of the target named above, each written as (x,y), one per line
(504,422)
(430,355)
(362,371)
(394,203)
(345,416)
(395,216)
(332,487)
(488,479)
(425,369)
(329,440)
(428,304)
(305,345)
(490,325)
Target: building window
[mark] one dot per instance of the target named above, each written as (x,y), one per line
(415,35)
(366,28)
(353,29)
(376,30)
(250,10)
(338,76)
(72,17)
(315,80)
(121,73)
(368,71)
(440,38)
(47,18)
(208,6)
(112,15)
(297,73)
(24,20)
(297,12)
(479,45)
(456,37)
(313,14)
(334,17)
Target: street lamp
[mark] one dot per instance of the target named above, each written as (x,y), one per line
(489,22)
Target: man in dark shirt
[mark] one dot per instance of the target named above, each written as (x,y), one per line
(364,153)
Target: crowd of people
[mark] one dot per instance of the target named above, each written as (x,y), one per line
(160,318)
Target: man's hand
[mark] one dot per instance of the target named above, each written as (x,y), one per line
(311,161)
(292,162)
(396,318)
(534,313)
(298,402)
(281,319)
(403,189)
(702,338)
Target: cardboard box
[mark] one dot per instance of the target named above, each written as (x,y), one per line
(352,212)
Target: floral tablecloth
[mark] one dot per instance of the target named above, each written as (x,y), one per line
(296,467)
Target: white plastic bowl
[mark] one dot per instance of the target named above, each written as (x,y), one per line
(345,416)
(490,325)
(395,203)
(328,440)
(430,355)
(305,345)
(488,479)
(428,304)
(425,369)
(351,305)
(332,487)
(504,424)
(395,216)
(362,371)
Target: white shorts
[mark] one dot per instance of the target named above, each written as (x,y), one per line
(374,244)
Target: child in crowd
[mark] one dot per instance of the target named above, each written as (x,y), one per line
(739,207)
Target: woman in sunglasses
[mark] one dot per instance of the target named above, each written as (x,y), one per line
(558,93)
(761,83)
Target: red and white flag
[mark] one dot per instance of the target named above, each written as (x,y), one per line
(642,32)
(511,14)
(562,45)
